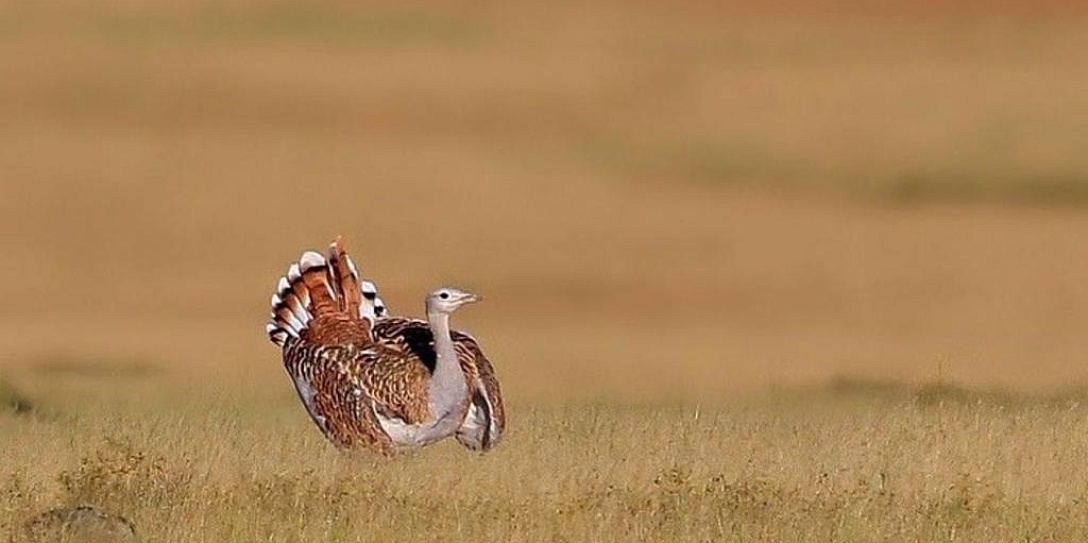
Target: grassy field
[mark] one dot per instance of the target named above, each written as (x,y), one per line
(723,250)
(855,462)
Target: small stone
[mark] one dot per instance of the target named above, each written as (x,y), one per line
(81,523)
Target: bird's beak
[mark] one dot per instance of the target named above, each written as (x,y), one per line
(471,298)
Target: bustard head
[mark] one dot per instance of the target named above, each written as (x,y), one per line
(448,299)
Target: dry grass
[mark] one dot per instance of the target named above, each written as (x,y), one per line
(665,205)
(816,466)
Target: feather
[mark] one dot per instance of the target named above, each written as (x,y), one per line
(315,276)
(346,278)
(366,378)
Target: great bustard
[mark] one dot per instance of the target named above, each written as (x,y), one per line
(375,382)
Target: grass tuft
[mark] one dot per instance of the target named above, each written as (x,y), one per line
(121,478)
(13,401)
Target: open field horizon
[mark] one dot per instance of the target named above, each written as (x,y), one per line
(801,271)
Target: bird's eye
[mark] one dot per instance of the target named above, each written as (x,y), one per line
(444,295)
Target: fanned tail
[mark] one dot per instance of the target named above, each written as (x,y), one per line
(317,287)
(346,278)
(373,303)
(360,295)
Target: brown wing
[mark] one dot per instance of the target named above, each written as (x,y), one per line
(485,419)
(348,412)
(486,416)
(345,386)
(328,382)
(411,337)
(398,384)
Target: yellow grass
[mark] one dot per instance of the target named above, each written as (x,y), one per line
(666,206)
(860,462)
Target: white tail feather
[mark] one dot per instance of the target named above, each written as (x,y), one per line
(311,259)
(372,304)
(372,307)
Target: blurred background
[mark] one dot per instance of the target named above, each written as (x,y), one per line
(661,201)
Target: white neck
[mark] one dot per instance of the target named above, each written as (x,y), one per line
(447,388)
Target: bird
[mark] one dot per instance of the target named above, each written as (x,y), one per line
(372,381)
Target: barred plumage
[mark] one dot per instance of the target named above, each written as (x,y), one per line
(485,419)
(381,383)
